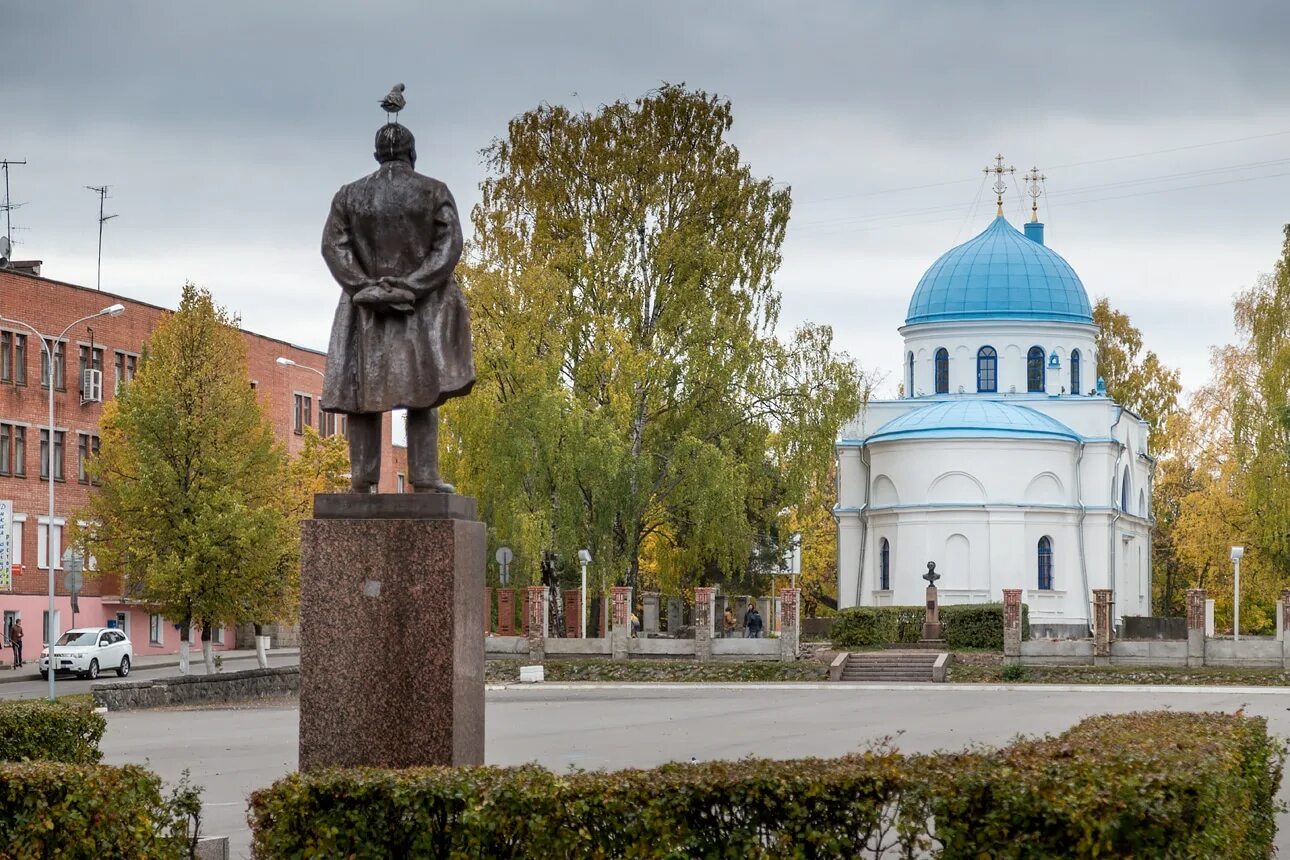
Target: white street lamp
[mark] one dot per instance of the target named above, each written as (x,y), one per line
(286,362)
(584,559)
(1237,552)
(51,632)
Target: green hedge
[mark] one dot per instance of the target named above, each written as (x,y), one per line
(1146,785)
(50,731)
(978,625)
(867,626)
(51,809)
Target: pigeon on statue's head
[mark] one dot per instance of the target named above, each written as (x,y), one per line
(394,101)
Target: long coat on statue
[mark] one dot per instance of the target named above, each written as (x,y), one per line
(396,223)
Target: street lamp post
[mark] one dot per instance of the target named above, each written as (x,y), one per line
(584,559)
(51,632)
(286,362)
(1237,552)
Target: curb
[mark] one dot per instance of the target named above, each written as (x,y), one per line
(7,676)
(929,687)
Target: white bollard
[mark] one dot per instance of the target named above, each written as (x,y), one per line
(532,674)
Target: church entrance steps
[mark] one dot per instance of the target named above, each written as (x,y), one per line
(891,666)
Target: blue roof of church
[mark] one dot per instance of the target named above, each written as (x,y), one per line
(974,419)
(1000,274)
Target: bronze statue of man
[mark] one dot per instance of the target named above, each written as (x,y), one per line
(401,335)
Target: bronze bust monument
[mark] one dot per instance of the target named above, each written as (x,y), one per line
(401,335)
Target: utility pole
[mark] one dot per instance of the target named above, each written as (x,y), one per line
(101,191)
(8,206)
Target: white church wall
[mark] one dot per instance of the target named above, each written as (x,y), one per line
(1011,340)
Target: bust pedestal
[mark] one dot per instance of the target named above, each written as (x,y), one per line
(391,617)
(932,621)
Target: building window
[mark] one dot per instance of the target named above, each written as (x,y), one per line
(156,629)
(1124,491)
(987,370)
(942,371)
(90,359)
(88,447)
(60,365)
(326,423)
(19,452)
(59,436)
(909,374)
(884,566)
(6,356)
(1045,564)
(126,366)
(1074,371)
(304,413)
(42,546)
(1035,370)
(10,616)
(19,359)
(16,537)
(6,445)
(399,483)
(217,636)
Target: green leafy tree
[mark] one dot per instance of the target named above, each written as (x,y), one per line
(1135,379)
(190,509)
(633,397)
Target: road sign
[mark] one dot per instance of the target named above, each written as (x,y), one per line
(504,556)
(74,566)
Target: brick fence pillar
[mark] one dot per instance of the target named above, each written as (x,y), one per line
(535,616)
(620,597)
(1285,628)
(1195,627)
(790,623)
(1011,626)
(704,598)
(505,612)
(1102,629)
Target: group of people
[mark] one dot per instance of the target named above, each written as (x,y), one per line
(14,634)
(752,626)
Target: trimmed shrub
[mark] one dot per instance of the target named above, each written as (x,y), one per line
(869,626)
(1146,785)
(38,730)
(51,809)
(978,625)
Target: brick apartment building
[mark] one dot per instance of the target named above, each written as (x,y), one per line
(290,396)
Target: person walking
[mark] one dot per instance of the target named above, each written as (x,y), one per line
(15,639)
(754,623)
(728,624)
(748,620)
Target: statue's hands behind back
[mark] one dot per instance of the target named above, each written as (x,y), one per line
(386,295)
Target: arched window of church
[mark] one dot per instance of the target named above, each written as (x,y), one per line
(1124,490)
(1045,564)
(1074,371)
(909,390)
(942,371)
(884,566)
(1035,369)
(987,369)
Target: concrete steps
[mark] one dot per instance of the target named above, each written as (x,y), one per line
(890,666)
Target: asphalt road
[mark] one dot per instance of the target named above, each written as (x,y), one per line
(232,752)
(33,687)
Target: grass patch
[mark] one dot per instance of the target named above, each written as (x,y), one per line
(504,671)
(979,673)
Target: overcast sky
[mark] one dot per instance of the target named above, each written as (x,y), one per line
(224,128)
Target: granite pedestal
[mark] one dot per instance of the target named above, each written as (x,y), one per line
(391,628)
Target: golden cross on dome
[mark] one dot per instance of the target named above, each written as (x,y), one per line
(1035,189)
(999,186)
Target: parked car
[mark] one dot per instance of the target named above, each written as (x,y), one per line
(86,650)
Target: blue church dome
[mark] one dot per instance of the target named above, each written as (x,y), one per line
(1000,274)
(974,419)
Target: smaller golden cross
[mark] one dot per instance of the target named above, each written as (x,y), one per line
(1035,189)
(999,186)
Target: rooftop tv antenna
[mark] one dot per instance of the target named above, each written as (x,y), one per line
(8,205)
(102,192)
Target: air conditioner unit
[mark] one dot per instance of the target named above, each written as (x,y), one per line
(91,386)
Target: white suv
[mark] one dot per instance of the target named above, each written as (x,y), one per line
(86,650)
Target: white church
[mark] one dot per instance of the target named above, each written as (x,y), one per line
(1004,461)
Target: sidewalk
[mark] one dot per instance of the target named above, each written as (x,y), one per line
(153,661)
